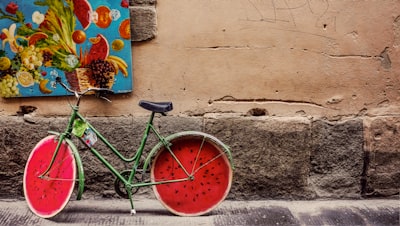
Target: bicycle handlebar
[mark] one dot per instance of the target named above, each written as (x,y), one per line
(79,94)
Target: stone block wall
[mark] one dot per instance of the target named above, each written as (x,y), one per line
(382,157)
(274,157)
(337,158)
(143,19)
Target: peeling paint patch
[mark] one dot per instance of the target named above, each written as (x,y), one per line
(335,100)
(258,112)
(385,59)
(26,109)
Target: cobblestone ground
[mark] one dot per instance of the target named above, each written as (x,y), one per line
(151,212)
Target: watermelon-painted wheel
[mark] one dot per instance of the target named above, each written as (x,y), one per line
(48,195)
(207,170)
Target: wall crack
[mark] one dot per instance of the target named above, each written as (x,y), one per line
(219,47)
(266,100)
(350,56)
(383,57)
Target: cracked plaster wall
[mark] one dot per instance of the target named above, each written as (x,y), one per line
(329,59)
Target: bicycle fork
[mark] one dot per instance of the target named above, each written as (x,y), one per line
(44,174)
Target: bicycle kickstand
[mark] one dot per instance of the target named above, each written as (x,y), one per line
(129,191)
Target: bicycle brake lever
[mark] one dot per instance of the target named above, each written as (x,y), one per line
(105,98)
(99,95)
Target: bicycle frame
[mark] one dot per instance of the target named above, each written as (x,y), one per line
(67,134)
(170,153)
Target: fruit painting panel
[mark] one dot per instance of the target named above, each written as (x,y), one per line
(85,42)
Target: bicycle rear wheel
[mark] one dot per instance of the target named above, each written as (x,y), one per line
(204,159)
(48,195)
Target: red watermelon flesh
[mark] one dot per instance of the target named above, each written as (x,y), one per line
(212,177)
(99,49)
(83,11)
(47,197)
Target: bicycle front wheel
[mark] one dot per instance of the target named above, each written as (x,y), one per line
(48,194)
(200,161)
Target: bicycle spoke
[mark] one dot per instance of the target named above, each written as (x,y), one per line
(197,156)
(178,161)
(166,181)
(56,166)
(208,162)
(57,179)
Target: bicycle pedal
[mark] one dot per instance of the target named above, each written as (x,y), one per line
(133,212)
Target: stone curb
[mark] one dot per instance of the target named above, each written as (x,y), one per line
(263,212)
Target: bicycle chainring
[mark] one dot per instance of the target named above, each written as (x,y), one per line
(120,187)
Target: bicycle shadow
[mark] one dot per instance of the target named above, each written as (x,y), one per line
(105,215)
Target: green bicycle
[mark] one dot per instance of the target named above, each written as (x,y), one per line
(190,172)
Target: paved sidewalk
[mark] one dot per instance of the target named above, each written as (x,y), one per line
(151,212)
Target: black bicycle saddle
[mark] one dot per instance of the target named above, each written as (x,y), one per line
(159,107)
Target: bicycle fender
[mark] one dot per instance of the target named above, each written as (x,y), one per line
(186,133)
(81,175)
